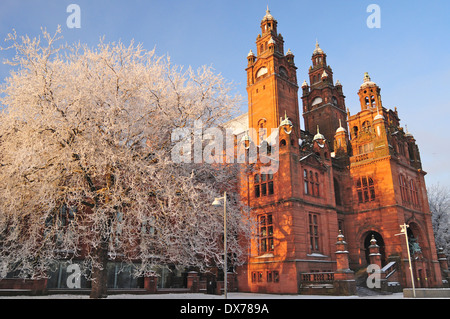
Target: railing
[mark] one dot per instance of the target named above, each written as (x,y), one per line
(389,269)
(359,158)
(317,278)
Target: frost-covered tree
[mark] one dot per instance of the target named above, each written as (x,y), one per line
(439,201)
(85,161)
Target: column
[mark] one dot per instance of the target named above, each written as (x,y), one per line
(192,282)
(375,259)
(344,278)
(443,263)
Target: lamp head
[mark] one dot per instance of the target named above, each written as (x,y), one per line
(216,202)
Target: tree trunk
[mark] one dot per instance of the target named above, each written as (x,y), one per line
(99,274)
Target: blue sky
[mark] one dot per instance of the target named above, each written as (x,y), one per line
(408,57)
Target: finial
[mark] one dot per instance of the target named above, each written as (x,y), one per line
(268,16)
(366,77)
(407,132)
(379,116)
(304,85)
(340,129)
(318,50)
(286,123)
(319,136)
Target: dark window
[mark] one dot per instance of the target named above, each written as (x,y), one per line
(414,194)
(314,232)
(266,243)
(365,189)
(257,191)
(311,183)
(263,184)
(306,184)
(276,276)
(263,189)
(270,184)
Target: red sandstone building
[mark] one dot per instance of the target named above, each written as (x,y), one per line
(359,174)
(344,186)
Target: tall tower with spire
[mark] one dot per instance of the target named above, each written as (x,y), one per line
(388,187)
(271,81)
(288,204)
(323,101)
(360,174)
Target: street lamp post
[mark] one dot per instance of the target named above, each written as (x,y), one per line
(225,266)
(404,232)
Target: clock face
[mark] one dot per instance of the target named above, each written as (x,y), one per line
(261,72)
(283,72)
(316,101)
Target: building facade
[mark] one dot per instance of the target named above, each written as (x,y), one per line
(358,175)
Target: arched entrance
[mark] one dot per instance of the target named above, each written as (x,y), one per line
(380,242)
(419,256)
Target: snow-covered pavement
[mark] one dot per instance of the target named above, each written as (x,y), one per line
(235,295)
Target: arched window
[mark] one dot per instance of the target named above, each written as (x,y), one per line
(355,131)
(283,143)
(262,130)
(404,189)
(305,180)
(366,126)
(265,148)
(317,192)
(414,194)
(311,183)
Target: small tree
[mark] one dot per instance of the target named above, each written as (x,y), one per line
(439,200)
(85,165)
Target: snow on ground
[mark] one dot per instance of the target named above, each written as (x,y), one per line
(234,295)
